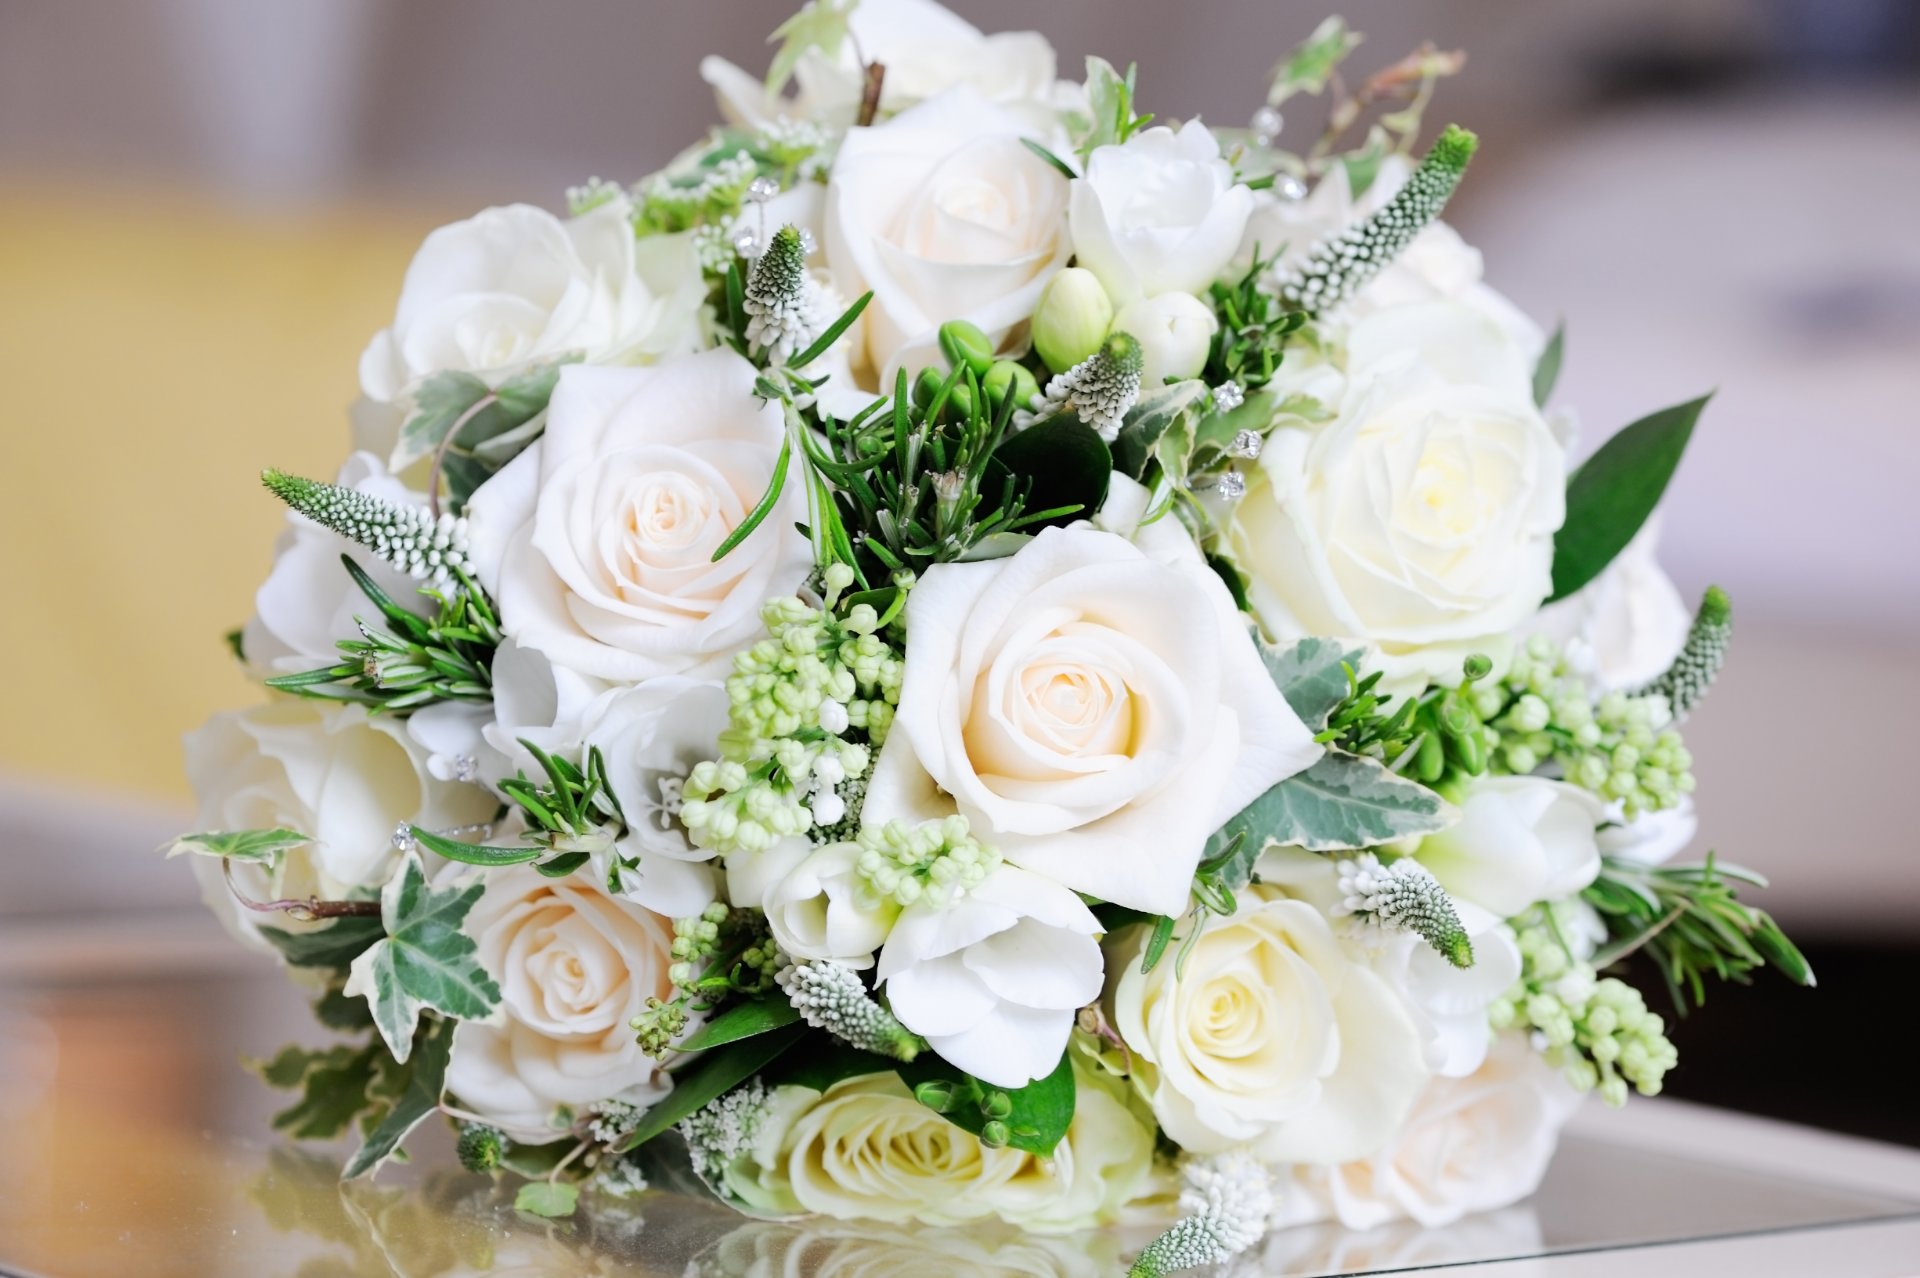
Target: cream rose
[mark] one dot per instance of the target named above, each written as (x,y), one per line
(926,49)
(1519,840)
(574,965)
(1471,1144)
(1161,213)
(866,1149)
(598,540)
(944,215)
(1420,520)
(825,1248)
(1094,711)
(1275,1039)
(516,286)
(333,772)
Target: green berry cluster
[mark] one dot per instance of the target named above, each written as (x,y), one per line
(1620,746)
(932,861)
(1597,1030)
(707,193)
(717,954)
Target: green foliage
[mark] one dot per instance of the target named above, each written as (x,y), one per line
(475,429)
(1310,64)
(550,1198)
(413,660)
(710,1075)
(1314,675)
(1161,413)
(1339,802)
(419,1097)
(261,847)
(1546,370)
(576,802)
(1691,923)
(334,1085)
(1110,98)
(820,25)
(425,960)
(1611,495)
(742,1020)
(334,945)
(1250,343)
(1033,1118)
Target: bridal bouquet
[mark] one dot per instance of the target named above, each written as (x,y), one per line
(961,653)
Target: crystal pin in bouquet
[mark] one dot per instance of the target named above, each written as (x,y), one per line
(962,653)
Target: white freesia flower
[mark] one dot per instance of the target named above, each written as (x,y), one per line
(1471,1144)
(926,49)
(538,701)
(1275,1039)
(1627,624)
(598,540)
(516,286)
(1420,520)
(650,737)
(944,215)
(992,979)
(1652,838)
(308,602)
(334,772)
(1160,213)
(1519,840)
(1174,331)
(574,965)
(1093,708)
(822,909)
(866,1149)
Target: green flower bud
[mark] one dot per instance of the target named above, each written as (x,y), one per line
(997,1105)
(996,1135)
(1008,377)
(927,385)
(1072,318)
(964,343)
(937,1094)
(479,1148)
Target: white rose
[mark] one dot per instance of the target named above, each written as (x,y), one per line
(822,909)
(1420,520)
(1161,213)
(866,1149)
(308,602)
(574,965)
(926,49)
(598,540)
(992,979)
(333,772)
(944,215)
(1174,331)
(1095,712)
(1437,266)
(1626,625)
(1471,1144)
(514,287)
(1519,840)
(650,738)
(1275,1038)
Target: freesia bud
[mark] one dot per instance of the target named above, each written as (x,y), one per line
(1072,318)
(1174,331)
(964,343)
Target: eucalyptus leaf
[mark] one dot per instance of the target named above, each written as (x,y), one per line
(1041,1111)
(1614,492)
(426,1080)
(425,960)
(708,1077)
(262,847)
(742,1020)
(1341,801)
(1311,674)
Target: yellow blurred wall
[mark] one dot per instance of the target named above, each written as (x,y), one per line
(154,355)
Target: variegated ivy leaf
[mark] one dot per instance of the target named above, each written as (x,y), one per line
(1342,801)
(1311,63)
(1311,674)
(260,846)
(424,961)
(410,1094)
(1156,412)
(821,24)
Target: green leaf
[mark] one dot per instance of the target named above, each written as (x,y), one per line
(263,847)
(1110,100)
(821,1060)
(336,945)
(1156,410)
(1610,497)
(712,1074)
(536,1161)
(490,437)
(561,866)
(1546,372)
(1065,169)
(333,1082)
(474,853)
(1310,64)
(425,960)
(742,1020)
(762,508)
(438,404)
(547,1198)
(1311,675)
(1058,463)
(820,24)
(426,1080)
(337,1010)
(1340,802)
(825,341)
(1041,1110)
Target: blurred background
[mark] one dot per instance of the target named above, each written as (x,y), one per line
(206,207)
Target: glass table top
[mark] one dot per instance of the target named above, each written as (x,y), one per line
(133,1143)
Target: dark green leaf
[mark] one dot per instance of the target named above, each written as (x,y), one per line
(335,1010)
(333,1083)
(1058,464)
(426,1080)
(1546,373)
(335,945)
(561,866)
(742,1020)
(711,1075)
(1041,1110)
(821,1060)
(1610,497)
(1065,169)
(1340,802)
